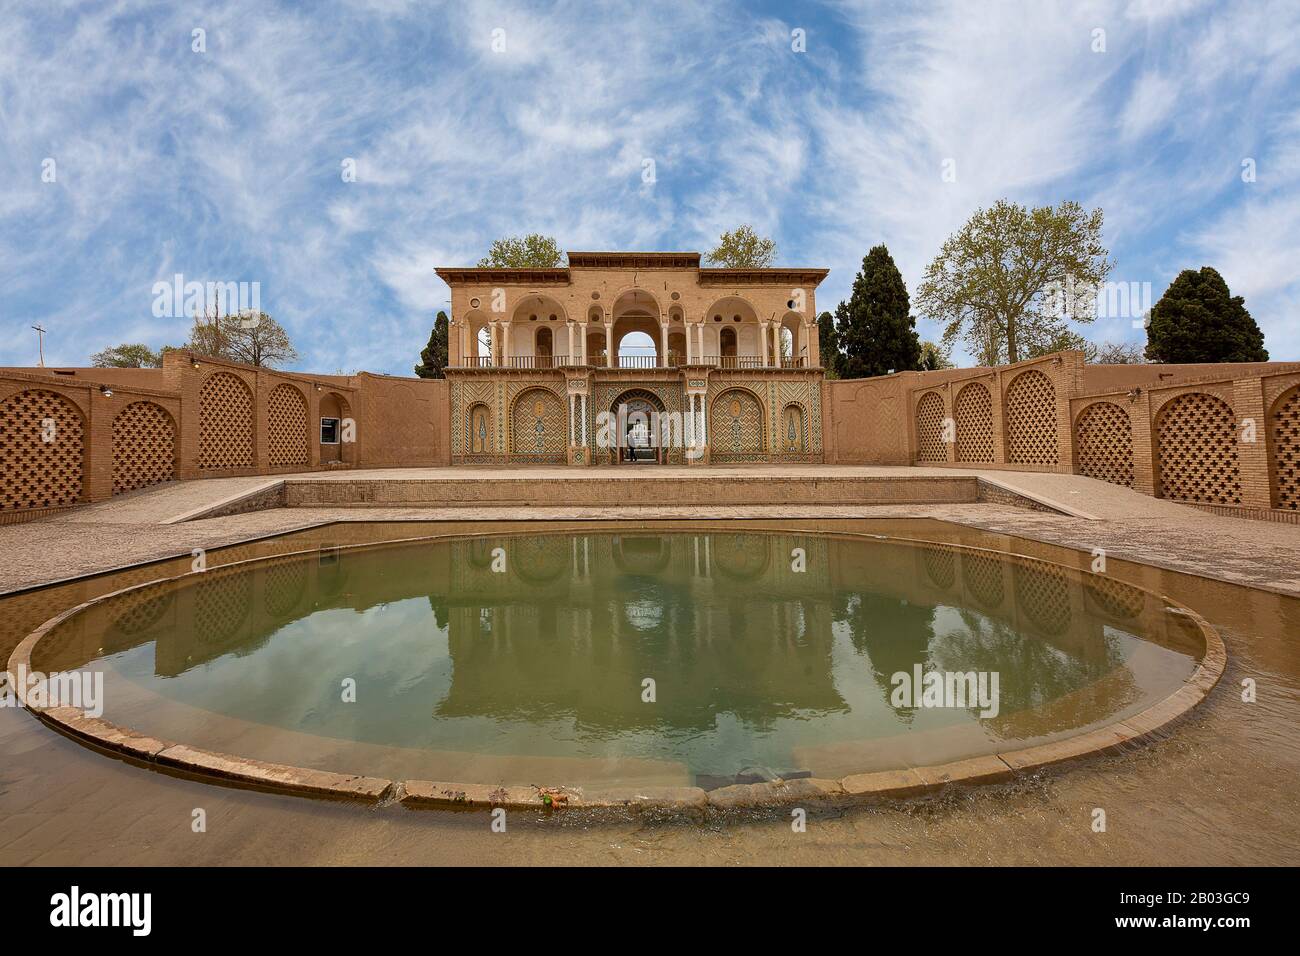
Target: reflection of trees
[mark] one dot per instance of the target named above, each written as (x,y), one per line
(1033,674)
(892,633)
(723,623)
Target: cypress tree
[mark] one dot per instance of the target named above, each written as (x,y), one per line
(1199,320)
(433,357)
(877,333)
(828,343)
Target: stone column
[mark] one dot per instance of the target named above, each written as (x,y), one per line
(762,341)
(702,355)
(573,355)
(663,344)
(609,344)
(494,340)
(776,344)
(505,347)
(690,351)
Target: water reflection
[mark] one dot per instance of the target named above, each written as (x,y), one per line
(758,644)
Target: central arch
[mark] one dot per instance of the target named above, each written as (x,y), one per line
(636,314)
(637,416)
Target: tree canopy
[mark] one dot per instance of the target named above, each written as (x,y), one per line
(877,334)
(533,251)
(828,344)
(742,248)
(253,338)
(127,355)
(433,357)
(1199,320)
(1008,280)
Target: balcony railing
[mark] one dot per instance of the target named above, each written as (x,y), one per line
(598,360)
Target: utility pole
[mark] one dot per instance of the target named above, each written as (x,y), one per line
(40,342)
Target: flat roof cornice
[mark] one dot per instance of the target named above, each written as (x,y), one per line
(634,260)
(739,277)
(453,275)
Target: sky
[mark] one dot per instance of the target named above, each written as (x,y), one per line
(135,149)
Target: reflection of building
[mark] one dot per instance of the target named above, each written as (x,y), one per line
(570,624)
(723,359)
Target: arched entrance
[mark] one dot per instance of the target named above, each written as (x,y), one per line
(637,425)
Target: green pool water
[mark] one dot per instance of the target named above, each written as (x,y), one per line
(581,658)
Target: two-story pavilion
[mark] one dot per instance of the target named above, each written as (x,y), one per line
(625,357)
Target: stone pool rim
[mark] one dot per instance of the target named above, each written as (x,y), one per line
(179,759)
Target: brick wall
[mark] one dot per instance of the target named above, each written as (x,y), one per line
(69,436)
(1223,436)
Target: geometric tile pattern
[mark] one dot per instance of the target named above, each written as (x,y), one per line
(144,447)
(225,423)
(736,427)
(1284,439)
(1031,420)
(973,412)
(40,451)
(538,428)
(929,428)
(1104,443)
(286,419)
(1197,442)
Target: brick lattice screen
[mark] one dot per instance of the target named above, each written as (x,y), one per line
(225,423)
(973,412)
(1197,441)
(144,447)
(41,451)
(1104,440)
(982,575)
(286,413)
(1284,439)
(1031,420)
(1044,595)
(537,426)
(929,428)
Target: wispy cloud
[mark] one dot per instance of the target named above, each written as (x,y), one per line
(470,121)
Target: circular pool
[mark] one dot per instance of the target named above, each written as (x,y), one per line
(695,666)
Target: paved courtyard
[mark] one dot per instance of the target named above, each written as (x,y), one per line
(152,523)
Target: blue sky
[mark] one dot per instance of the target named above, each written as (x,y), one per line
(225,165)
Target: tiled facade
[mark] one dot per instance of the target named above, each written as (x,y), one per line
(732,373)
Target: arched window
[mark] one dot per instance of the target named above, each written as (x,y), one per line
(544,348)
(728,346)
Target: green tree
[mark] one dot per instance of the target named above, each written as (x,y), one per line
(1061,340)
(933,357)
(127,355)
(433,357)
(1199,320)
(253,338)
(742,248)
(533,251)
(1012,276)
(877,333)
(828,344)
